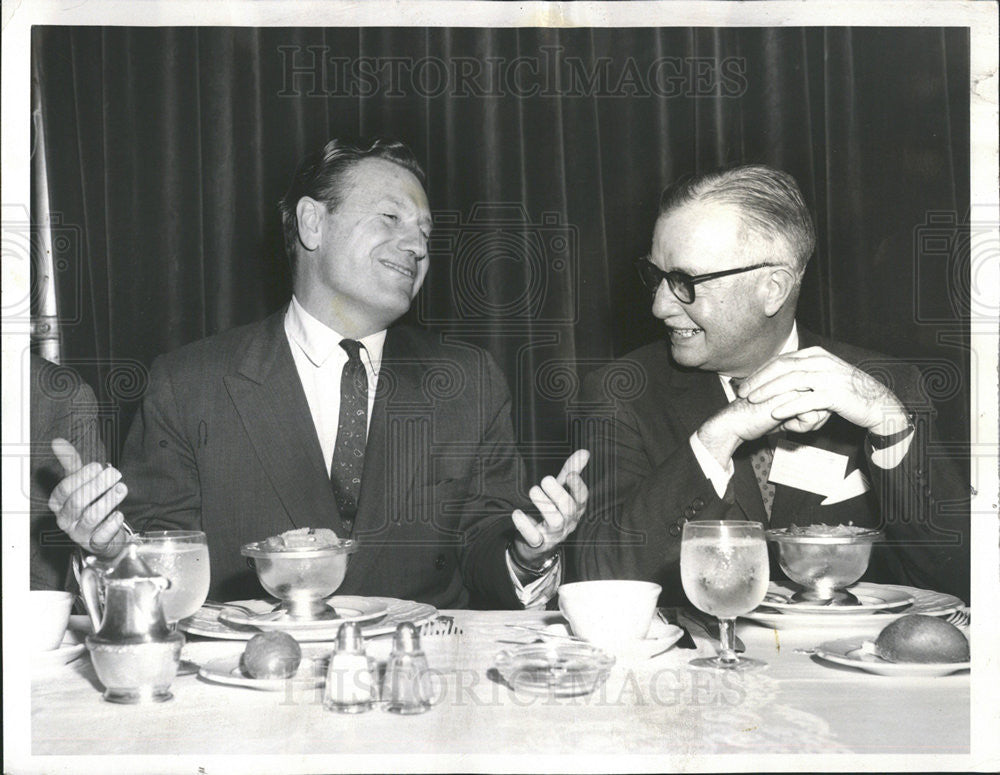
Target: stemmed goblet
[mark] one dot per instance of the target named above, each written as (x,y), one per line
(725,573)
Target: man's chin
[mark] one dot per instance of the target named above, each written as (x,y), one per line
(682,356)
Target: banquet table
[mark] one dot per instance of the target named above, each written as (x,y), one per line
(798,704)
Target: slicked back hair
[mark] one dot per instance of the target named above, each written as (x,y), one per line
(769,202)
(322,175)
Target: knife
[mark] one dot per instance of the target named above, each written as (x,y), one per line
(711,626)
(674,619)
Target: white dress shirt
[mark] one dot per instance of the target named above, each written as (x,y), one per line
(887,458)
(319,360)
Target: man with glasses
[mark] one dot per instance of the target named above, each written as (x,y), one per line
(740,414)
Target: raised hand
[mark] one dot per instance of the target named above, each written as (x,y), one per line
(561,500)
(85,502)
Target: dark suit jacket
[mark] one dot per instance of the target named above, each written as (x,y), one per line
(225,443)
(646,483)
(62,406)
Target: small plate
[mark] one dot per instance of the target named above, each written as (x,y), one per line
(348,607)
(207,623)
(925,601)
(860,653)
(661,636)
(873,597)
(226,670)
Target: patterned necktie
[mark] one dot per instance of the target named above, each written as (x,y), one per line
(760,454)
(352,433)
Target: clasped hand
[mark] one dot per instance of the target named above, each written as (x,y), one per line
(801,389)
(798,392)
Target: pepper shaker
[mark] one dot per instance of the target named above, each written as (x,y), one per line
(407,685)
(350,678)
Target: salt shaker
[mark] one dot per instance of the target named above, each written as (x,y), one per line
(350,678)
(407,686)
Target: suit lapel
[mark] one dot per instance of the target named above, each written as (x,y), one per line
(268,395)
(698,395)
(746,490)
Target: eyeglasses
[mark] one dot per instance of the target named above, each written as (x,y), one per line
(682,284)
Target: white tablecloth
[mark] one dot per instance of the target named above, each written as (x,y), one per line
(797,705)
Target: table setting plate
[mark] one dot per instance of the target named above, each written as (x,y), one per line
(925,601)
(207,622)
(859,653)
(226,670)
(349,608)
(873,597)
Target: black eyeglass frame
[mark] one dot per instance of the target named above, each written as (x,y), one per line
(679,281)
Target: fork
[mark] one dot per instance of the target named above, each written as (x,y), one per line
(960,618)
(442,625)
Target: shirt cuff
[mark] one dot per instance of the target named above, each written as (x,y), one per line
(539,591)
(716,474)
(890,457)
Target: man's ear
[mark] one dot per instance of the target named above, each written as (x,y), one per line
(779,285)
(309,216)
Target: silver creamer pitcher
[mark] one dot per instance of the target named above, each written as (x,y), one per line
(133,650)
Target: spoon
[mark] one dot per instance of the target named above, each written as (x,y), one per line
(543,634)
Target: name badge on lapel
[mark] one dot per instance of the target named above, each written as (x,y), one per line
(807,468)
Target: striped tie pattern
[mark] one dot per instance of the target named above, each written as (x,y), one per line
(352,435)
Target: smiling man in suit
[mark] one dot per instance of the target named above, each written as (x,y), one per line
(327,415)
(740,414)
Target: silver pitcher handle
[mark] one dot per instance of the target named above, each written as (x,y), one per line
(91,595)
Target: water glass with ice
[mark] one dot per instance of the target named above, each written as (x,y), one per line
(182,557)
(725,573)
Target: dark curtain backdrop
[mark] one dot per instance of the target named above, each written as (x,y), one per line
(168,148)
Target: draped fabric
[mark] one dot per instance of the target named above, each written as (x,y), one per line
(546,150)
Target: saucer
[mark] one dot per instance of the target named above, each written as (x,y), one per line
(70,650)
(925,601)
(659,638)
(208,624)
(226,670)
(872,597)
(860,653)
(349,608)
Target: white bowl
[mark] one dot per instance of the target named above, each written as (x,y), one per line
(609,614)
(49,618)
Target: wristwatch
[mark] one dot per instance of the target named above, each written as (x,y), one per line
(884,442)
(536,572)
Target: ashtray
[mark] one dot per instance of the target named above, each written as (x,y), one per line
(554,669)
